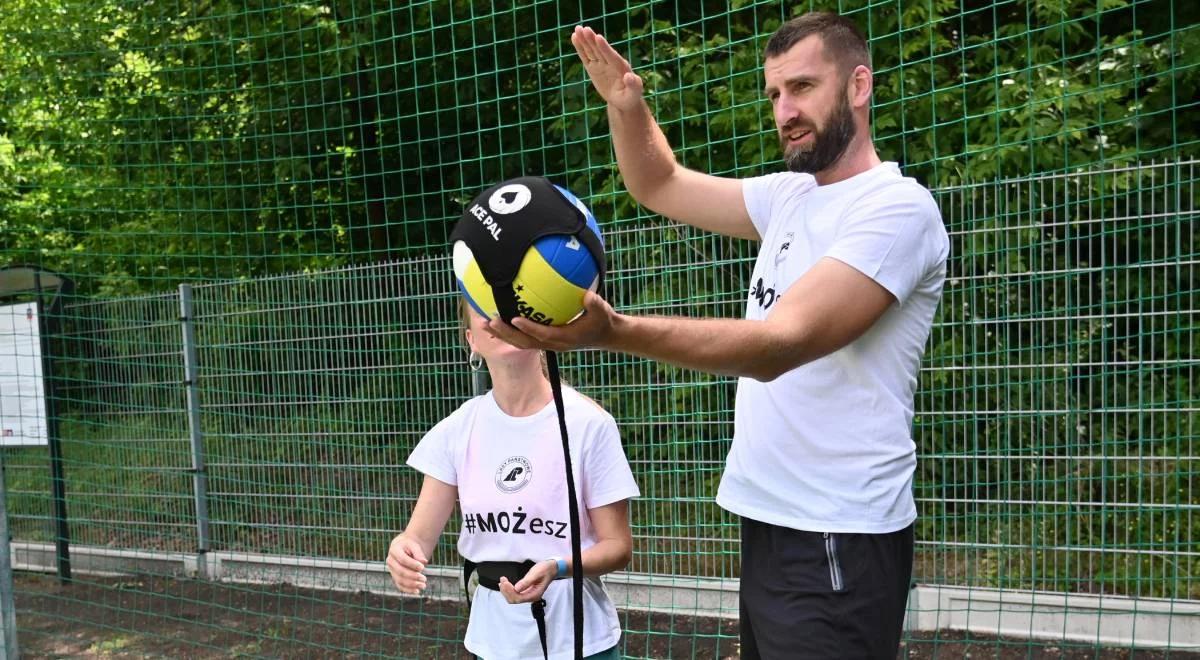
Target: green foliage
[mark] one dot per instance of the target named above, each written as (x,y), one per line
(141,145)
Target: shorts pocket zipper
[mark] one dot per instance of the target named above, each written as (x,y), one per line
(835,568)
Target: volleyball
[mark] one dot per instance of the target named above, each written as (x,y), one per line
(555,271)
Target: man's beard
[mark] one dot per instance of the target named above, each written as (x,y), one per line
(828,144)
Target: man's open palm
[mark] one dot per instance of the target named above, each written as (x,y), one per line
(611,74)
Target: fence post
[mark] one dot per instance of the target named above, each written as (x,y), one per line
(199,475)
(8,613)
(58,481)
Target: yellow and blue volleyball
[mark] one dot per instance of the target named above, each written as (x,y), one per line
(550,283)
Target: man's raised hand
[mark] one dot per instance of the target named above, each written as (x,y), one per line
(611,74)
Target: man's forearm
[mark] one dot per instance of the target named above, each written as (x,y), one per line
(658,182)
(643,154)
(732,347)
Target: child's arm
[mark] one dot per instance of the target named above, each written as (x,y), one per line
(614,540)
(411,549)
(612,552)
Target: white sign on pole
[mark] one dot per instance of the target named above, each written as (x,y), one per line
(22,390)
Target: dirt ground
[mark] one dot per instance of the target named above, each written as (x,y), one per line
(159,617)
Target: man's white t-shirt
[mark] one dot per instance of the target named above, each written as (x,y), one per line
(828,446)
(512,492)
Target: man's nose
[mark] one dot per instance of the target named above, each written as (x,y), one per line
(785,111)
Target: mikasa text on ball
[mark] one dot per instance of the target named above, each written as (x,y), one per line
(554,273)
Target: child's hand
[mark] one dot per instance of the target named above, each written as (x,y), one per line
(406,563)
(532,586)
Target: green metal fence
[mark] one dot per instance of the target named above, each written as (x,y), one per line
(277,180)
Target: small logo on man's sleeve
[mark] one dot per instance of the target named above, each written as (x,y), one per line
(787,243)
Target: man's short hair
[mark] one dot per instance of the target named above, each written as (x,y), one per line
(843,41)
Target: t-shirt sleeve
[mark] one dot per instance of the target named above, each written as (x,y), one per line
(757,192)
(434,454)
(606,474)
(762,193)
(895,237)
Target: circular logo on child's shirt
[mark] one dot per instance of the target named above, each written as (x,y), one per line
(514,473)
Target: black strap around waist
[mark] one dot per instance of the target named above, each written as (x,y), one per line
(490,572)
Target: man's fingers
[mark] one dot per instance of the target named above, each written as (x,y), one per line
(584,39)
(594,49)
(604,51)
(583,45)
(524,333)
(592,302)
(510,334)
(598,47)
(501,330)
(577,42)
(535,330)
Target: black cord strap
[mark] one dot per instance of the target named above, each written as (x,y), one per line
(572,505)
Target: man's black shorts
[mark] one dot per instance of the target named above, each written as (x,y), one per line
(823,595)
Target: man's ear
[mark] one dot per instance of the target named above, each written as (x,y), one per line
(862,84)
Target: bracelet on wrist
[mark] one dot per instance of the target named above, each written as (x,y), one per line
(561,566)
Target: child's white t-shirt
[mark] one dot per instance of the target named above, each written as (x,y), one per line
(512,492)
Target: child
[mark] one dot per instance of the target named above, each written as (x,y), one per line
(500,455)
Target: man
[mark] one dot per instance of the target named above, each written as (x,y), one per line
(841,302)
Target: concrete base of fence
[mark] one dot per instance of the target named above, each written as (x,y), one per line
(1107,620)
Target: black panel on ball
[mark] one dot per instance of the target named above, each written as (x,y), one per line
(503,222)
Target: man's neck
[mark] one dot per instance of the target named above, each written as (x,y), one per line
(860,156)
